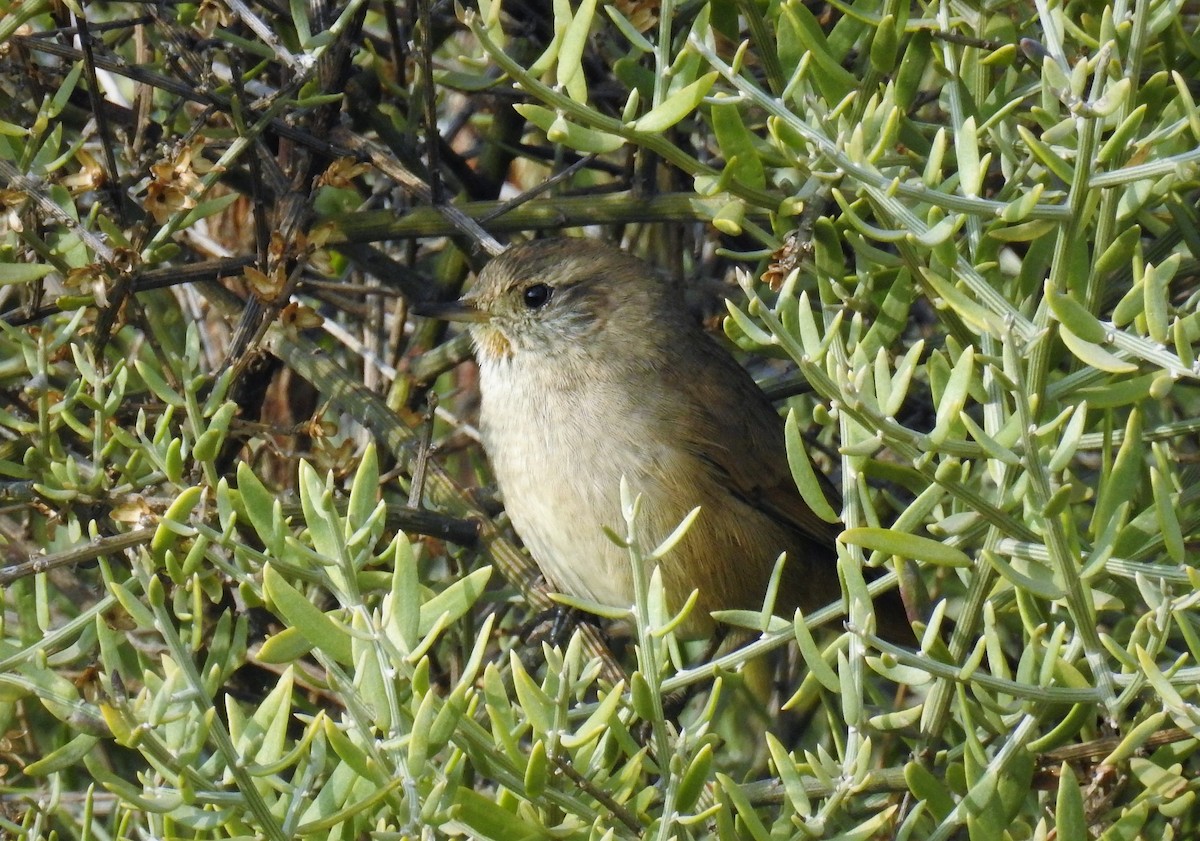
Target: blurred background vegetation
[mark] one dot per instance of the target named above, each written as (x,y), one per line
(241,600)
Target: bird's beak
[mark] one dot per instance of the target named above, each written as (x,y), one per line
(460,310)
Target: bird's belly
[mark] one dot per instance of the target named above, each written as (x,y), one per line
(561,488)
(559,502)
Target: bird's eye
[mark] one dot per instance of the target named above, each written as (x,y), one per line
(537,295)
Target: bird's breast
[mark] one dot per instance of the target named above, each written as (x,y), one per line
(559,445)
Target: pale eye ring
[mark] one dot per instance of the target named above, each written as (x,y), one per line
(537,295)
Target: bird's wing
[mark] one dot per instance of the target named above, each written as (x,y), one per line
(753,460)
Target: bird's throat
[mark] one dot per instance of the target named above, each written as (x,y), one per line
(491,344)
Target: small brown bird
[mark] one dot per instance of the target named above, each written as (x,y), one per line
(592,370)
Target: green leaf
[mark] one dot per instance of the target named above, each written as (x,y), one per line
(1130,825)
(817,667)
(730,218)
(402,608)
(324,524)
(1020,207)
(1070,819)
(990,445)
(287,646)
(537,705)
(747,326)
(293,607)
(418,742)
(1124,480)
(560,130)
(953,398)
(157,384)
(1113,98)
(1117,392)
(884,44)
(1075,315)
(804,474)
(672,540)
(906,545)
(465,82)
(490,821)
(1120,140)
(789,775)
(1030,578)
(692,783)
(259,506)
(173,524)
(635,38)
(65,88)
(598,722)
(1069,440)
(450,604)
(675,107)
(1166,506)
(536,770)
(209,443)
(173,461)
(500,713)
(364,491)
(266,729)
(891,320)
(211,207)
(1131,304)
(1156,291)
(570,53)
(1118,253)
(751,822)
(973,314)
(966,149)
(737,145)
(63,758)
(582,139)
(1046,156)
(932,791)
(22,272)
(134,606)
(299,10)
(833,80)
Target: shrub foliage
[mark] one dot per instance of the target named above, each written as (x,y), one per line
(240,600)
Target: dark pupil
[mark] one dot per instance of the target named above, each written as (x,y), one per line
(537,295)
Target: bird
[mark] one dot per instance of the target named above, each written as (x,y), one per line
(593,372)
